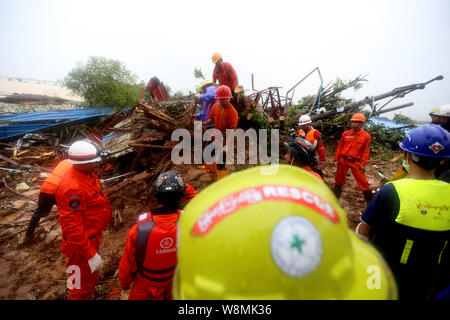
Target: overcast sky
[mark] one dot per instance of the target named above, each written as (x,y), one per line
(397,42)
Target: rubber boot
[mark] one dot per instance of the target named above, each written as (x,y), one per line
(337,191)
(368,196)
(222,173)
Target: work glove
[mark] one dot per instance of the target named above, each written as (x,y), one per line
(95,263)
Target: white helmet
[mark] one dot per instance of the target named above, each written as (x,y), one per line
(304,119)
(84,152)
(443,111)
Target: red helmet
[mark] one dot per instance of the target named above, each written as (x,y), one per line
(358,117)
(223,92)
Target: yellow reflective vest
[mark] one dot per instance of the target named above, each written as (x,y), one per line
(424,204)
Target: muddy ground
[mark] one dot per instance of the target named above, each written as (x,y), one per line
(37,271)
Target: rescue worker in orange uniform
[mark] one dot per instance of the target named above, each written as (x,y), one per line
(224,116)
(150,255)
(225,74)
(353,153)
(46,198)
(84,212)
(313,135)
(301,154)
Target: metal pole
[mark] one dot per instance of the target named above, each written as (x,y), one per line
(400,92)
(394,108)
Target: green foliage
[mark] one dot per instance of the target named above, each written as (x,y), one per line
(400,118)
(306,100)
(101,291)
(61,294)
(177,95)
(291,115)
(104,82)
(384,143)
(198,74)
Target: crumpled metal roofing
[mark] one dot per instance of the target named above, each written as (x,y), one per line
(22,123)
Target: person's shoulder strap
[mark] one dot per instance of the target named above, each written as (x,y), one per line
(145,226)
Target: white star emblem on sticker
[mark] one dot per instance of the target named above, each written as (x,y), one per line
(436,147)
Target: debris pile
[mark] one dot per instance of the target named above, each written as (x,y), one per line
(141,143)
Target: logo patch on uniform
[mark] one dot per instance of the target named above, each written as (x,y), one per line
(296,246)
(166,243)
(436,147)
(74,204)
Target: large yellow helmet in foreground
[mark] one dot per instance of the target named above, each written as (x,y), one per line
(280,236)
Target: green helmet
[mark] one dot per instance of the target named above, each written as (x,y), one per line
(280,236)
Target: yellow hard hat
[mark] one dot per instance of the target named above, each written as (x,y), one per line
(215,57)
(238,89)
(281,236)
(205,82)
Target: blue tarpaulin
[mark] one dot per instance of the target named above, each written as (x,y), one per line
(390,124)
(55,115)
(22,123)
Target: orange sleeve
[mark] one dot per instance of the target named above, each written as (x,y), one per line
(127,265)
(320,147)
(71,207)
(215,73)
(190,193)
(212,114)
(234,77)
(339,148)
(366,151)
(232,119)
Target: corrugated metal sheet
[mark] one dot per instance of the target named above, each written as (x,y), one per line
(55,115)
(53,120)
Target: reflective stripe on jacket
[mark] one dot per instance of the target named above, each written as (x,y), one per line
(314,137)
(355,145)
(84,211)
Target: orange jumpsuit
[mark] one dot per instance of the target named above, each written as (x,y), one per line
(353,152)
(148,284)
(84,212)
(153,279)
(226,75)
(224,118)
(314,137)
(190,193)
(46,198)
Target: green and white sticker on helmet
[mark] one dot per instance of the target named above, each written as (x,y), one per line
(296,246)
